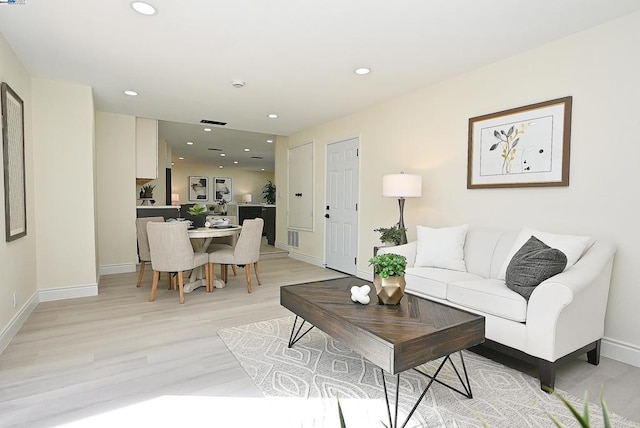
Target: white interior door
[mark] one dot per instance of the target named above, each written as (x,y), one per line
(341,210)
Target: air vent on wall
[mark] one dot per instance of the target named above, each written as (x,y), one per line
(213,122)
(215,150)
(257,157)
(293,238)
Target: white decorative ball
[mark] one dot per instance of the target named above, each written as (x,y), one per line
(361,294)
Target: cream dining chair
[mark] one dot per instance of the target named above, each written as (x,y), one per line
(143,243)
(245,253)
(171,251)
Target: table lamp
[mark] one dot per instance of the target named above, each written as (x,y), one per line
(402,186)
(175,199)
(246,198)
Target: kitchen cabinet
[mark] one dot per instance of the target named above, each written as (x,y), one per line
(146,149)
(265,212)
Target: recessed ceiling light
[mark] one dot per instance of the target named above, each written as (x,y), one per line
(190,143)
(207,129)
(247,150)
(130,93)
(235,162)
(261,169)
(273,116)
(362,71)
(173,163)
(269,141)
(181,158)
(220,166)
(143,8)
(222,154)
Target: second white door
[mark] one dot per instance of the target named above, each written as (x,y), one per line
(341,210)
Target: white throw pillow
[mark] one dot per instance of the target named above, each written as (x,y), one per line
(441,248)
(571,245)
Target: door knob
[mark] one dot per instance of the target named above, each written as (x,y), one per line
(326,216)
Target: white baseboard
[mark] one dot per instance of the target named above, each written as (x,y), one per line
(62,293)
(16,322)
(119,268)
(307,259)
(282,245)
(621,351)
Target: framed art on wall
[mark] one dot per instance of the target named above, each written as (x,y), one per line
(198,188)
(223,189)
(522,147)
(15,205)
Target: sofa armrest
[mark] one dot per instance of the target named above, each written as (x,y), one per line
(569,308)
(407,250)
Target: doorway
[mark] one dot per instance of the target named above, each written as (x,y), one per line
(341,210)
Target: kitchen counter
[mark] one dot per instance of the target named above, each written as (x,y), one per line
(266,212)
(166,211)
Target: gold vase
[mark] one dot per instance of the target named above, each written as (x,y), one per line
(389,290)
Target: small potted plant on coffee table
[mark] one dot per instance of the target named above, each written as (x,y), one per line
(388,270)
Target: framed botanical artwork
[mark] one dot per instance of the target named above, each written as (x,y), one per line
(523,147)
(15,200)
(198,188)
(222,189)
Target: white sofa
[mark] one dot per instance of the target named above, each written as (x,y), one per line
(563,318)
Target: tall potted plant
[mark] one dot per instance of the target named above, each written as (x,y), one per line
(269,192)
(388,278)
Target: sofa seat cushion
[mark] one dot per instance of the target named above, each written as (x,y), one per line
(488,295)
(433,281)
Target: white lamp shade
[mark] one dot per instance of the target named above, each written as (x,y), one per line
(246,198)
(175,198)
(402,185)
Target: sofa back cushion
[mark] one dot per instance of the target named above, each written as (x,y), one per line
(486,249)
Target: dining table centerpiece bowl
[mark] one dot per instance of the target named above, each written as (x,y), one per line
(388,278)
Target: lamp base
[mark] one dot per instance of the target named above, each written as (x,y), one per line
(403,237)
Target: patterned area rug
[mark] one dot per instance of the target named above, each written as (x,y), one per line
(317,367)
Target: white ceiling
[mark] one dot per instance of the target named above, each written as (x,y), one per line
(297,57)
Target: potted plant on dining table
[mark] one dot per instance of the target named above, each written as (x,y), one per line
(198,212)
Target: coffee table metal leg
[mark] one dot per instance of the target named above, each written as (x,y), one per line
(432,379)
(466,385)
(386,399)
(295,335)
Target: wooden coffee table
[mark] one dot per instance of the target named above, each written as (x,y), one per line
(394,338)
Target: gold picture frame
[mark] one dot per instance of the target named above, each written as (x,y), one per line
(15,196)
(527,146)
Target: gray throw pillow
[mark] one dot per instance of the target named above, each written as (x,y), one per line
(532,264)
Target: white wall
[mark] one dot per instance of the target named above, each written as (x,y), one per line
(243,181)
(63,135)
(425,132)
(281,180)
(116,192)
(17,258)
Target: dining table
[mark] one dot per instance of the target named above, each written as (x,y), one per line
(201,238)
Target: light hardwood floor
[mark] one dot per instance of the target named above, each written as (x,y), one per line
(78,358)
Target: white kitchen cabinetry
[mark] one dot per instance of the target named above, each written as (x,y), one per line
(146,148)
